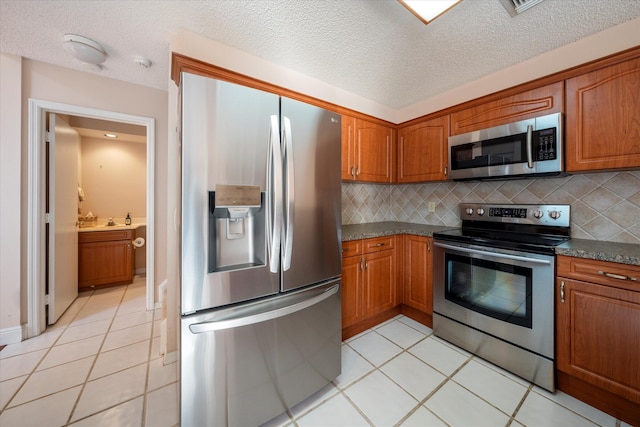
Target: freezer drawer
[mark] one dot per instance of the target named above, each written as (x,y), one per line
(244,365)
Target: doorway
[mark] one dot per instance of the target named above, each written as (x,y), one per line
(37,190)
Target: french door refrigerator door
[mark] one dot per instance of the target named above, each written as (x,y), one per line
(227,133)
(245,365)
(311,149)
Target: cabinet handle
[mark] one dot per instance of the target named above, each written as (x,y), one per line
(379,244)
(366,264)
(361,264)
(357,171)
(617,276)
(428,246)
(562,291)
(446,171)
(352,171)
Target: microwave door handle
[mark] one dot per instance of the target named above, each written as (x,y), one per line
(493,254)
(530,146)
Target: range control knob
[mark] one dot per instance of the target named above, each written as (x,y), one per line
(469,211)
(554,214)
(538,214)
(480,211)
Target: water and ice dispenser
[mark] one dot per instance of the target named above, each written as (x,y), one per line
(237,227)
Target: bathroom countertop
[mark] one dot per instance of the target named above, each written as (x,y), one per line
(104,227)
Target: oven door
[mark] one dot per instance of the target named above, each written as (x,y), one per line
(504,293)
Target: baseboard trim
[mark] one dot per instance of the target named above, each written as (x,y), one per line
(10,335)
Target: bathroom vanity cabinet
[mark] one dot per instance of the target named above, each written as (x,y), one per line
(105,258)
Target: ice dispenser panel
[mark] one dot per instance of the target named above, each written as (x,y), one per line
(237,226)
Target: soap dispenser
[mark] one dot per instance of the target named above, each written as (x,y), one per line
(127,220)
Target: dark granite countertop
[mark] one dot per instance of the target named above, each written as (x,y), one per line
(388,228)
(624,253)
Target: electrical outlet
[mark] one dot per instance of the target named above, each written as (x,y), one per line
(432,207)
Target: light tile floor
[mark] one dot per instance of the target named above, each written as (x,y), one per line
(100,366)
(399,374)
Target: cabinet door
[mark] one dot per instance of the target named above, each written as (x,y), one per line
(418,291)
(108,262)
(374,152)
(603,118)
(422,151)
(379,284)
(351,290)
(597,336)
(348,148)
(526,105)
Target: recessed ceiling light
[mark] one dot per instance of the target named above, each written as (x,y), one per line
(428,10)
(110,135)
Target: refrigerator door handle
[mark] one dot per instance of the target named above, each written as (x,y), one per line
(242,319)
(289,195)
(274,195)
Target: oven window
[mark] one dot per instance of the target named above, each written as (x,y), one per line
(501,291)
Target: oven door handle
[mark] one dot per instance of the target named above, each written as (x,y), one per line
(494,255)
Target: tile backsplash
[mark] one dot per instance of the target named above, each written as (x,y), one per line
(604,206)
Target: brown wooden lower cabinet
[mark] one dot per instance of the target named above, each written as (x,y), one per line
(598,334)
(369,283)
(105,258)
(417,279)
(385,276)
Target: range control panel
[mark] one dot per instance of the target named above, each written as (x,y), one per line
(550,215)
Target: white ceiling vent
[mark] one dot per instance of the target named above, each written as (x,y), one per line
(515,7)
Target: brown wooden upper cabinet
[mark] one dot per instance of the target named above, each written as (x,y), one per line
(525,105)
(422,151)
(603,118)
(367,151)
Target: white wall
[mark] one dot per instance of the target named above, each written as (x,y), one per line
(113,178)
(23,79)
(10,207)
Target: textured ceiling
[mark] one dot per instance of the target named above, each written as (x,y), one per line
(373,48)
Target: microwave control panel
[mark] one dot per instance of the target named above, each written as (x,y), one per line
(544,144)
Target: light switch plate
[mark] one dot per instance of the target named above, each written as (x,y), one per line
(432,206)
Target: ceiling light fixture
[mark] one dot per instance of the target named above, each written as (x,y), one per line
(515,7)
(84,50)
(110,135)
(428,10)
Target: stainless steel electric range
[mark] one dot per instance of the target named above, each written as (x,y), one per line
(493,285)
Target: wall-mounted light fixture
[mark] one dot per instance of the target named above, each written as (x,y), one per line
(427,11)
(110,135)
(84,50)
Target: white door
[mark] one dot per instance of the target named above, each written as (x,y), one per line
(64,145)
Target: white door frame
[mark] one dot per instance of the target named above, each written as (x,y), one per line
(38,109)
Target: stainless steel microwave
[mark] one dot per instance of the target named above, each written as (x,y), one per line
(519,149)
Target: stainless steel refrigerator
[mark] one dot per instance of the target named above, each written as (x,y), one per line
(261,242)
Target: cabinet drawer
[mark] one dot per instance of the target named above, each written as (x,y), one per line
(104,236)
(351,248)
(601,272)
(379,244)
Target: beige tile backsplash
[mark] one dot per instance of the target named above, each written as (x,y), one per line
(604,206)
